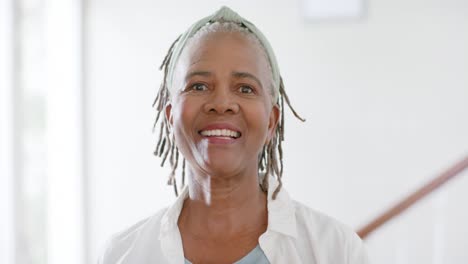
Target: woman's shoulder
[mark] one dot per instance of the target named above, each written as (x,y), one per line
(131,238)
(312,218)
(327,234)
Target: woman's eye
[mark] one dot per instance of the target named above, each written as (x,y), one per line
(246,89)
(199,87)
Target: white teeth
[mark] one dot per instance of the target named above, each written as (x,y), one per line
(220,133)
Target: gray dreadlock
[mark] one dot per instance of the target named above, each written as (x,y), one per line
(270,158)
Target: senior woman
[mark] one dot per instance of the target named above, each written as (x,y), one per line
(222,105)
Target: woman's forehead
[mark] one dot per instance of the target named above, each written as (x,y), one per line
(223,49)
(213,43)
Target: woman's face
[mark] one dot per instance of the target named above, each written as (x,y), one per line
(221,111)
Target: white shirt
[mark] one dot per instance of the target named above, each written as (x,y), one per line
(295,234)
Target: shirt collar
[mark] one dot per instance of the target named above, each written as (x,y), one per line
(171,216)
(281,212)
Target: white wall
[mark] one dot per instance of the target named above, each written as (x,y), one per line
(7,137)
(65,201)
(385,100)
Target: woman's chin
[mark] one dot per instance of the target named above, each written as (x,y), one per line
(223,168)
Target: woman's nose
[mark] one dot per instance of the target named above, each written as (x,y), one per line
(222,101)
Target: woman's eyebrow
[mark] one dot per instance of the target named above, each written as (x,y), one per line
(235,74)
(247,75)
(197,73)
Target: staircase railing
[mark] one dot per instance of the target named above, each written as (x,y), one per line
(414,197)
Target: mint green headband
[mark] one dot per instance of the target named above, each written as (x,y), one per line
(225,14)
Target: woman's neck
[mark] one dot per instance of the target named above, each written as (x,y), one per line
(224,206)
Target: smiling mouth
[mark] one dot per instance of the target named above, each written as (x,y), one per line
(226,133)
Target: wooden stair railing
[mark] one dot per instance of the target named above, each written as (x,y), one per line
(413,198)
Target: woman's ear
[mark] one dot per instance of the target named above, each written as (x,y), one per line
(273,122)
(168,112)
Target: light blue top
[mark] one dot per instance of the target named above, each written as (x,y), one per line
(256,256)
